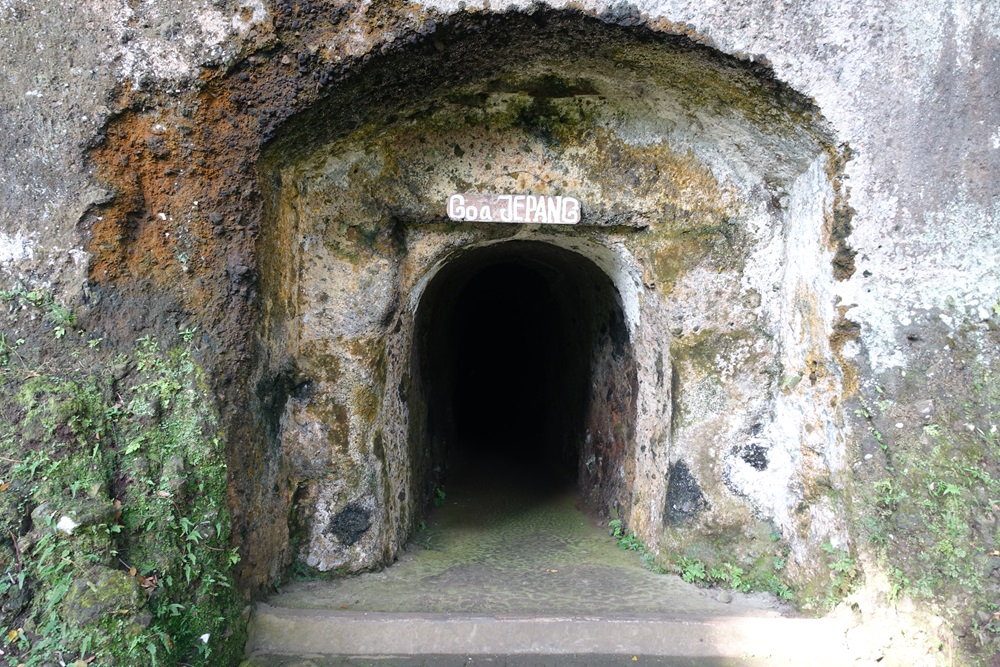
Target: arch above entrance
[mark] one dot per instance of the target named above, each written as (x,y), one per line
(521,356)
(697,175)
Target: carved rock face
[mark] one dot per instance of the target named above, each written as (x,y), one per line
(665,314)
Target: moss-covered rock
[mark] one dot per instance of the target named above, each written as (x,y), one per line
(99,592)
(115,545)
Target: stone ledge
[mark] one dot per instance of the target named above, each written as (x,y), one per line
(279,631)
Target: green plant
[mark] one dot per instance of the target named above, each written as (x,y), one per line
(439,497)
(629,541)
(761,576)
(887,496)
(844,572)
(692,570)
(61,317)
(159,557)
(867,413)
(731,575)
(8,348)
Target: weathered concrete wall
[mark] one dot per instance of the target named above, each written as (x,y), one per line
(795,300)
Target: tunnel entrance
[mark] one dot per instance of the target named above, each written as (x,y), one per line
(508,341)
(504,325)
(403,346)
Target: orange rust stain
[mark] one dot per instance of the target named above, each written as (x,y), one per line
(845,330)
(186,190)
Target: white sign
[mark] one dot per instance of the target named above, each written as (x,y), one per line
(525,209)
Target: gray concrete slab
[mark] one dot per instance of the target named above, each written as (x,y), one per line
(310,631)
(588,660)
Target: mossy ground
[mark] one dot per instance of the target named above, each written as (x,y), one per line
(505,540)
(927,512)
(114,529)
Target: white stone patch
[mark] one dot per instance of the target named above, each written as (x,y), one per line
(67,525)
(206,34)
(79,256)
(257,14)
(792,273)
(148,59)
(804,288)
(214,27)
(961,242)
(16,248)
(325,551)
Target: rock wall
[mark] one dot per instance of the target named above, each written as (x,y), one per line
(794,204)
(705,185)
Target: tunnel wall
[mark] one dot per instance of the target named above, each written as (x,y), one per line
(699,177)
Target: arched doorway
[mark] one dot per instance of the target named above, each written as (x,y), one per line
(654,333)
(510,344)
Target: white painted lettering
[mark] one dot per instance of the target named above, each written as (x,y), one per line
(553,208)
(540,215)
(518,216)
(505,208)
(456,207)
(571,211)
(530,205)
(529,209)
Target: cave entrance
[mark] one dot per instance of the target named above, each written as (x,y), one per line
(514,345)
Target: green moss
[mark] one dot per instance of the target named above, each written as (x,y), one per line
(927,512)
(545,86)
(366,404)
(699,353)
(703,83)
(840,214)
(723,559)
(99,593)
(338,424)
(114,482)
(367,399)
(671,255)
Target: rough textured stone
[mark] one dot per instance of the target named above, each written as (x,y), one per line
(101,592)
(794,204)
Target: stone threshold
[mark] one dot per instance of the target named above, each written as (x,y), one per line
(762,640)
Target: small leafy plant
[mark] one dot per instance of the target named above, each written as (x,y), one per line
(114,532)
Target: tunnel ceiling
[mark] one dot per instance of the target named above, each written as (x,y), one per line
(538,65)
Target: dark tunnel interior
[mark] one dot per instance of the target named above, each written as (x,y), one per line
(507,369)
(506,340)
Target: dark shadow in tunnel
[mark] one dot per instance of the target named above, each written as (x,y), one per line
(505,343)
(507,374)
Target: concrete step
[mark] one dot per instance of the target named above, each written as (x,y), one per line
(479,660)
(372,636)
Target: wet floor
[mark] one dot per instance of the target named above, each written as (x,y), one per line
(505,544)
